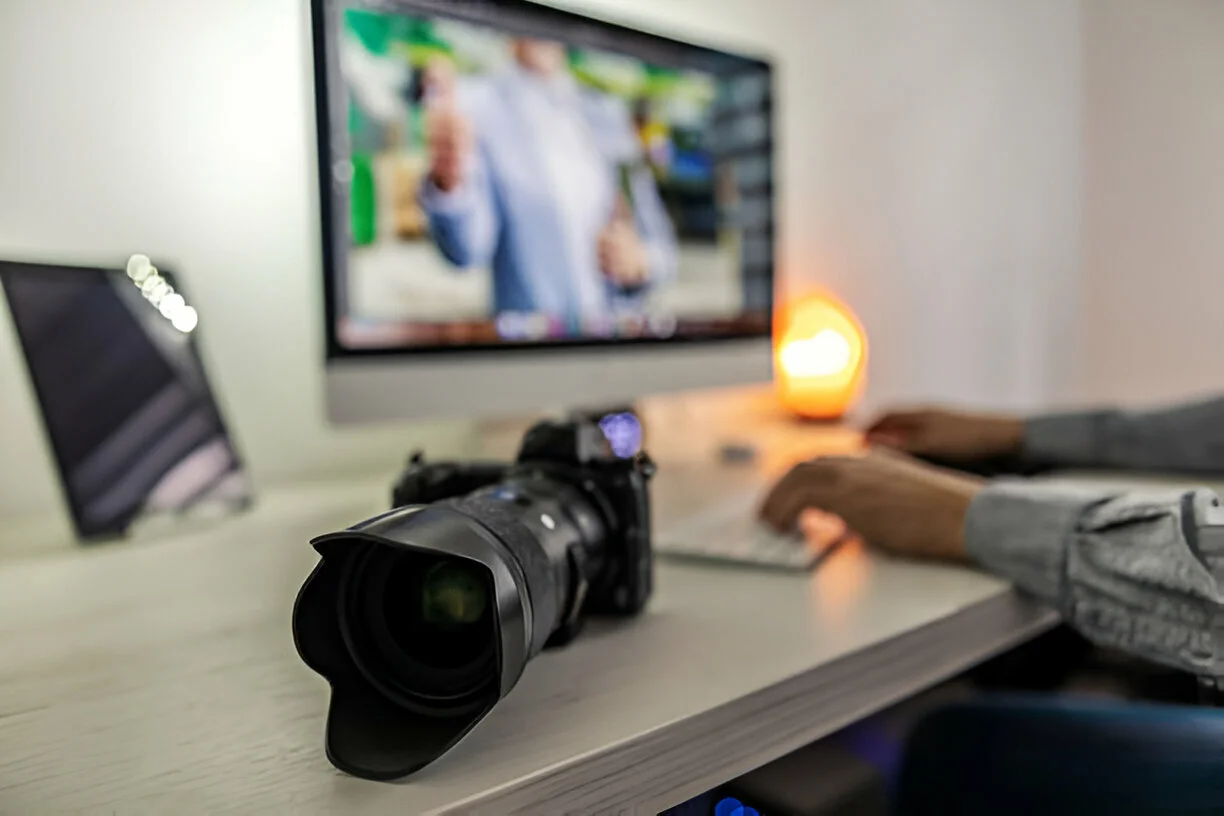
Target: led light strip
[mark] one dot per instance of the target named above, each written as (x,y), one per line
(161,294)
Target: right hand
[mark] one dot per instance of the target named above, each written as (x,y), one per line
(447,131)
(622,255)
(902,506)
(949,435)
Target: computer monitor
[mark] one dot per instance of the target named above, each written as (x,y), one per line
(132,422)
(525,208)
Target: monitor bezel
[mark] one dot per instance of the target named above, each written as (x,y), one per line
(328,86)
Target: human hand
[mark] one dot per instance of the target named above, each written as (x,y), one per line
(948,435)
(622,255)
(894,503)
(448,132)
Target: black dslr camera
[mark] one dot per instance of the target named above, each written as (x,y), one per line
(423,618)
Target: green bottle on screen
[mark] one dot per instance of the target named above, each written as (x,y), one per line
(362,198)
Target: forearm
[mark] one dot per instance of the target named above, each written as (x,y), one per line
(655,228)
(1138,572)
(1187,438)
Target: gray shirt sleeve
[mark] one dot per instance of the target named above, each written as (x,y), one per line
(1188,439)
(1140,572)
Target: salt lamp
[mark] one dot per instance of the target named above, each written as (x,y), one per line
(820,356)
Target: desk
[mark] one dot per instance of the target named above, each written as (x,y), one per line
(160,676)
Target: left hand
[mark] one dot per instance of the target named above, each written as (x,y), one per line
(622,255)
(895,503)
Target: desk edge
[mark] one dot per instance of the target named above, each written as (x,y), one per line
(669,764)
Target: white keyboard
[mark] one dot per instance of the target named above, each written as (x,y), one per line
(728,531)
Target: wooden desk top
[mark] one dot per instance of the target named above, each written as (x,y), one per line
(160,676)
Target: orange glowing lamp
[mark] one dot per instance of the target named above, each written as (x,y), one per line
(820,356)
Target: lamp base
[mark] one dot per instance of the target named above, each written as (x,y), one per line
(827,419)
(815,405)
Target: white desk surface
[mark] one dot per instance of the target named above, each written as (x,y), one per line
(160,676)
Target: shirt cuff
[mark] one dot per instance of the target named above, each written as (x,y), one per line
(436,202)
(660,261)
(1064,439)
(1021,531)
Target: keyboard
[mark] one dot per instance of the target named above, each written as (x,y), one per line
(728,531)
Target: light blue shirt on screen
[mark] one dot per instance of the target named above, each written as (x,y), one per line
(542,184)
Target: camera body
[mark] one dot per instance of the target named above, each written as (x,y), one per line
(574,453)
(424,617)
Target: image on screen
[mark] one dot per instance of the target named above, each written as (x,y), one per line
(499,184)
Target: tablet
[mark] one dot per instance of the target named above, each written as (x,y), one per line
(131,420)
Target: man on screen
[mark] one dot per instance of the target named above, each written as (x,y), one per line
(543,182)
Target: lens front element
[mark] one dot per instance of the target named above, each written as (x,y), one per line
(425,627)
(453,594)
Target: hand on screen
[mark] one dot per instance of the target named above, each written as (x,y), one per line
(448,131)
(622,254)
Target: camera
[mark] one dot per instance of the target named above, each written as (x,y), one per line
(422,618)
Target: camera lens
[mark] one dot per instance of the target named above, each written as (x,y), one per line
(438,615)
(453,596)
(424,626)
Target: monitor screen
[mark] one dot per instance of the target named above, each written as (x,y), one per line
(125,402)
(501,173)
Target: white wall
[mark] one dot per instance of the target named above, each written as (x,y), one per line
(930,175)
(1154,199)
(934,180)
